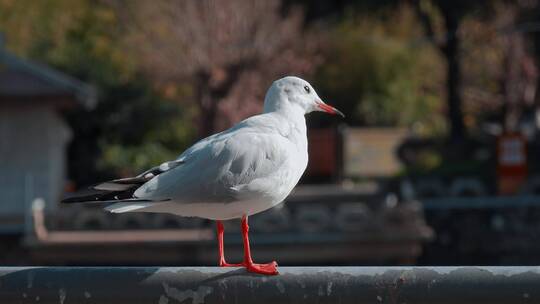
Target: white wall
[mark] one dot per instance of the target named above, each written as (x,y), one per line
(33,143)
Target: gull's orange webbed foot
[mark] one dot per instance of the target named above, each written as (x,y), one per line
(267,269)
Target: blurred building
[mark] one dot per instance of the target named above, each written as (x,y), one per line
(33,136)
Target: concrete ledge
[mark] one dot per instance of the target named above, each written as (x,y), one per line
(166,285)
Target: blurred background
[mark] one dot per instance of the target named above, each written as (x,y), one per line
(436,162)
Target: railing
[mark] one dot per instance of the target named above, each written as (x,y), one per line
(166,285)
(45,236)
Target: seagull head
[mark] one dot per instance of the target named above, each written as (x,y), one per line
(295,95)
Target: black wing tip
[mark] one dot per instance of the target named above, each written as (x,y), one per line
(118,189)
(97,196)
(79,199)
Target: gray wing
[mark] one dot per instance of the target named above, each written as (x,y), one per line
(222,168)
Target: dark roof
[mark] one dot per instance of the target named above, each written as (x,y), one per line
(24,79)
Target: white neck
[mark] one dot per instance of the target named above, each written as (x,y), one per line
(279,103)
(291,115)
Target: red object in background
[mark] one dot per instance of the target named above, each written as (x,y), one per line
(511,163)
(322,149)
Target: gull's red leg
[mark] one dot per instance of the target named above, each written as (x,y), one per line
(270,268)
(222,262)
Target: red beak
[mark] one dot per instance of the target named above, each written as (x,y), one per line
(329,109)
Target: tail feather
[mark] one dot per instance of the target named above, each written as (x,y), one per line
(127,206)
(112,186)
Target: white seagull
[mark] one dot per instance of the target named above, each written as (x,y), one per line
(244,170)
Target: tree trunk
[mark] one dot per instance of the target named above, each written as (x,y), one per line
(453,80)
(208,112)
(535,13)
(451,12)
(212,87)
(206,103)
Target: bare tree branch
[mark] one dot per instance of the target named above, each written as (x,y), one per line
(228,50)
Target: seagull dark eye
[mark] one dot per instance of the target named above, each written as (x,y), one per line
(307,89)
